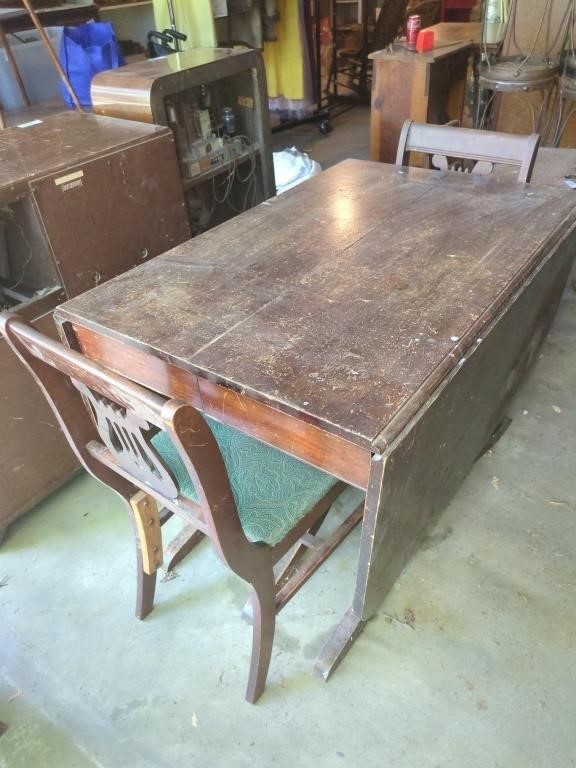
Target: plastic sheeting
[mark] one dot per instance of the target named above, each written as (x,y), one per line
(292,167)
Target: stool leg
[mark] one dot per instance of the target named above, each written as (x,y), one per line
(563,120)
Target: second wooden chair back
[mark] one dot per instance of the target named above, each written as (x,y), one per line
(468,150)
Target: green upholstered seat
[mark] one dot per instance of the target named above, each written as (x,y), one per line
(273,491)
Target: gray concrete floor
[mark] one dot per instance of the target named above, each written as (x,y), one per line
(482,677)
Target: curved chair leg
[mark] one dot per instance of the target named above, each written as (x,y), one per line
(145,592)
(263,624)
(146,522)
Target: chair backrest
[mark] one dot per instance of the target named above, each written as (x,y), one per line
(483,149)
(110,421)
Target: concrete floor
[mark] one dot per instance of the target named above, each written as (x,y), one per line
(481,676)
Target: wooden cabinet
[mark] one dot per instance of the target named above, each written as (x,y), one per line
(425,87)
(82,199)
(225,167)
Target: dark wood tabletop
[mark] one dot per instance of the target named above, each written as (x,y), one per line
(60,141)
(346,300)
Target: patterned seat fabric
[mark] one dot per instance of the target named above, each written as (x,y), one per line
(273,491)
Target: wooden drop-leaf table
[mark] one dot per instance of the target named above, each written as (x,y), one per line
(373,322)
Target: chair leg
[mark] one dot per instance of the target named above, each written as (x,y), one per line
(289,565)
(317,556)
(180,546)
(145,592)
(263,625)
(148,531)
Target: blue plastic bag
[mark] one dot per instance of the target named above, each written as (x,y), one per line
(86,50)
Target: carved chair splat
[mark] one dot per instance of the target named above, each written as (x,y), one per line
(468,150)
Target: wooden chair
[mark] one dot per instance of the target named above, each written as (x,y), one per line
(467,150)
(152,451)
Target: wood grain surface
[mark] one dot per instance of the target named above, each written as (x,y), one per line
(343,302)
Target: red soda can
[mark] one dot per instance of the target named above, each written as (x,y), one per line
(412,28)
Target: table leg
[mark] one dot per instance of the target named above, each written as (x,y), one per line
(355,618)
(339,644)
(415,477)
(13,66)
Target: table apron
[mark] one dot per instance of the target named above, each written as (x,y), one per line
(324,450)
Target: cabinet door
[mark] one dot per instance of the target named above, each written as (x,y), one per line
(110,214)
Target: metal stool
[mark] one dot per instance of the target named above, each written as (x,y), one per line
(567,86)
(527,61)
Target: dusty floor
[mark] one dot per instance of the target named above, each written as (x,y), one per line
(484,678)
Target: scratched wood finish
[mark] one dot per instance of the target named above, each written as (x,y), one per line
(339,457)
(128,208)
(416,476)
(109,422)
(348,329)
(30,153)
(426,464)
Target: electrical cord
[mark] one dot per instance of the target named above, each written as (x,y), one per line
(223,184)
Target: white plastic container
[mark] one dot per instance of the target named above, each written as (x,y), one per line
(37,71)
